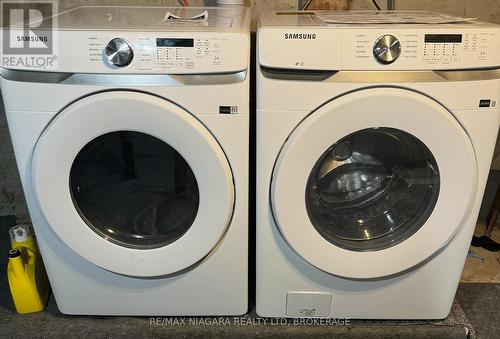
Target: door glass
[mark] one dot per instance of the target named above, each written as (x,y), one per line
(134,190)
(372,189)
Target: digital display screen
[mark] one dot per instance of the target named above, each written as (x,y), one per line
(443,38)
(177,42)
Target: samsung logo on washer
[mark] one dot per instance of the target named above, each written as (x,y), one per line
(300,36)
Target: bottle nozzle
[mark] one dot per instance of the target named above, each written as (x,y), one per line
(19,233)
(14,253)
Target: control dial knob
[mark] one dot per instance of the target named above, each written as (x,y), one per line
(118,52)
(387,49)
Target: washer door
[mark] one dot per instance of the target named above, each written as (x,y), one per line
(133,183)
(373,183)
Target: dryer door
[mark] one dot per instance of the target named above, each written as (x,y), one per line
(373,183)
(133,183)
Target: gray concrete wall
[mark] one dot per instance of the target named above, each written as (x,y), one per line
(11,196)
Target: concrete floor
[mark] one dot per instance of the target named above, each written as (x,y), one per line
(51,323)
(481,305)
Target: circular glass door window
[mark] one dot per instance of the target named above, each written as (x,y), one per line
(134,190)
(372,189)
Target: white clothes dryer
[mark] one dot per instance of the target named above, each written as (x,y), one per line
(133,155)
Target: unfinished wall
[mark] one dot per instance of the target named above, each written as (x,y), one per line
(11,196)
(488,10)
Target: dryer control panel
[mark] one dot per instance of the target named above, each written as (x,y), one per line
(162,54)
(131,52)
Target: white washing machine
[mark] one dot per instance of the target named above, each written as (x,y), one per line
(374,143)
(133,155)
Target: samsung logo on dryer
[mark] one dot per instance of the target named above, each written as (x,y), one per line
(300,36)
(31,38)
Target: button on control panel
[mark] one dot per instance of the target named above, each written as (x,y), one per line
(119,53)
(187,53)
(387,49)
(451,49)
(444,49)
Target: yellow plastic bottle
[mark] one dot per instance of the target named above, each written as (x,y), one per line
(28,281)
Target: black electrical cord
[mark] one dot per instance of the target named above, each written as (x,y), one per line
(376,4)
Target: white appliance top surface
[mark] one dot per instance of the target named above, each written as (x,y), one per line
(152,44)
(316,19)
(133,18)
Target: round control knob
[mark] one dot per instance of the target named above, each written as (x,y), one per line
(118,52)
(387,49)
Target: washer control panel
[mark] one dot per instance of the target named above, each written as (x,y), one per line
(380,47)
